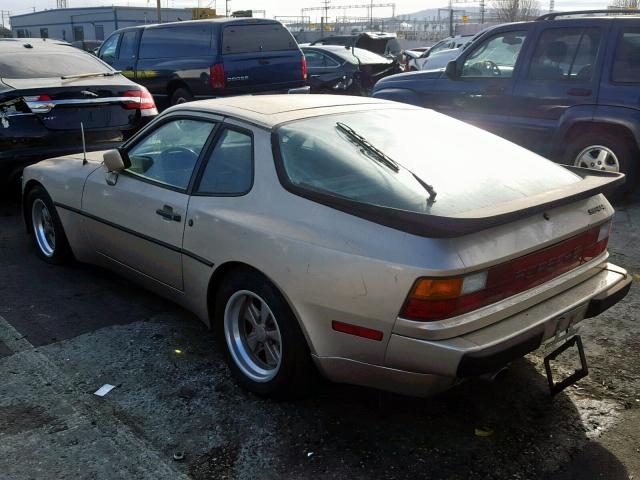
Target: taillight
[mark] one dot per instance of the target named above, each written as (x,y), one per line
(217,76)
(304,68)
(140,100)
(39,103)
(432,299)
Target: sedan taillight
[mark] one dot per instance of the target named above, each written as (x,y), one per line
(140,100)
(432,299)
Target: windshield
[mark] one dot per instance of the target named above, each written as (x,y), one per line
(50,64)
(469,168)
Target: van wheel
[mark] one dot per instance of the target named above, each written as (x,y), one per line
(46,228)
(605,151)
(181,95)
(265,348)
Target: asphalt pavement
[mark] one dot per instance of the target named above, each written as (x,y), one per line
(175,411)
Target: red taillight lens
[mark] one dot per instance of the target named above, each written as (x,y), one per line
(304,68)
(217,76)
(140,100)
(433,299)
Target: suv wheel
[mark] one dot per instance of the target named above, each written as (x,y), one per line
(604,151)
(265,348)
(181,95)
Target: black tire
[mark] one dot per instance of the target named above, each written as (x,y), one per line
(295,372)
(181,95)
(625,152)
(60,252)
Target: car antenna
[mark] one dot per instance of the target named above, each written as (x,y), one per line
(84,145)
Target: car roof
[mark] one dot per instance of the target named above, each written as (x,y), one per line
(214,21)
(13,45)
(269,111)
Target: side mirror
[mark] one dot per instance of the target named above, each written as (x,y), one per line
(113,161)
(452,70)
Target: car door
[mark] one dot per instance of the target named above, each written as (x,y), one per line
(562,74)
(221,197)
(138,219)
(481,92)
(323,71)
(127,53)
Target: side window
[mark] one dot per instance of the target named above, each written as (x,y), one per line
(229,170)
(626,62)
(319,60)
(127,49)
(169,154)
(565,54)
(257,38)
(181,41)
(495,57)
(108,49)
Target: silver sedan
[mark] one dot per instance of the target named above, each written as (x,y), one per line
(308,234)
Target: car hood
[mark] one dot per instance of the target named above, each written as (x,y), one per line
(401,80)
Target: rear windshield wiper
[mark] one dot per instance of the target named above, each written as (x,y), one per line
(381,157)
(95,74)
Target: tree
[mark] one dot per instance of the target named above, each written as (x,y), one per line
(5,32)
(518,10)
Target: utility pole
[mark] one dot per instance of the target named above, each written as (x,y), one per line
(371,16)
(159,8)
(451,18)
(226,8)
(552,5)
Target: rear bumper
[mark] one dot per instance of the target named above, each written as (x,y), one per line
(424,367)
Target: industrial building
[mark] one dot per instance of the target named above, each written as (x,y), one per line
(93,23)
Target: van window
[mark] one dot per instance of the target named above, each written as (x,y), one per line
(128,45)
(176,41)
(626,63)
(257,38)
(108,48)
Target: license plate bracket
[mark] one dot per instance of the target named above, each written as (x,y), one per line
(583,371)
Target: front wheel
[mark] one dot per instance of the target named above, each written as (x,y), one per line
(265,348)
(46,228)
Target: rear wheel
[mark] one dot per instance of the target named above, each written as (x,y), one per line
(266,350)
(181,95)
(602,150)
(46,228)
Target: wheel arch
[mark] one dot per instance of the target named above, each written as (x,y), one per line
(174,84)
(217,278)
(614,128)
(30,185)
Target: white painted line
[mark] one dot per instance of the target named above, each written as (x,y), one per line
(12,338)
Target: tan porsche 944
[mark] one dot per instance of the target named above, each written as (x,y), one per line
(309,233)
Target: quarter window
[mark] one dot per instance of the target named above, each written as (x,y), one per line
(565,54)
(128,46)
(169,154)
(182,41)
(229,170)
(495,57)
(626,63)
(257,38)
(108,50)
(319,60)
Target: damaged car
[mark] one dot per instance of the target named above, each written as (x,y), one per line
(308,233)
(346,70)
(51,93)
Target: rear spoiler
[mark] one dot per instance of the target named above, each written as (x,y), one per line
(593,182)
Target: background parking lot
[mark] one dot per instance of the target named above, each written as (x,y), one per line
(65,331)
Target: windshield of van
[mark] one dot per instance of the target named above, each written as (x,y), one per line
(467,167)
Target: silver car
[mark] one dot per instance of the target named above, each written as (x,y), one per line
(308,234)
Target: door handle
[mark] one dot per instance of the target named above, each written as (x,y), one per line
(166,212)
(263,62)
(579,92)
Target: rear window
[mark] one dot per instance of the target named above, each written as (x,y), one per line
(193,40)
(34,64)
(257,38)
(626,63)
(468,168)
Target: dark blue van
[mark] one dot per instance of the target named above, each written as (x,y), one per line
(183,61)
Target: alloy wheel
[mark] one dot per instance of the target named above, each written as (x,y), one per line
(43,228)
(253,336)
(598,157)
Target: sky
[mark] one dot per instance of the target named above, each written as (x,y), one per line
(275,7)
